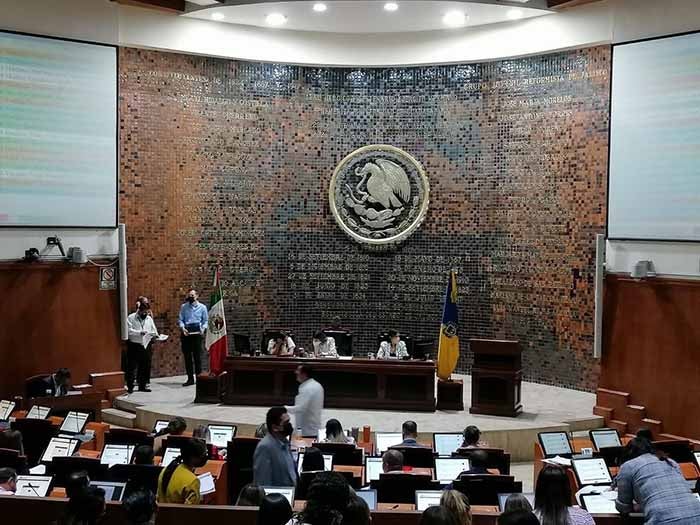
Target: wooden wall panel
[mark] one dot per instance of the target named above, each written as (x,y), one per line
(652,348)
(54,315)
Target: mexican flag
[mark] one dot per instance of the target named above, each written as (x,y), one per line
(216,341)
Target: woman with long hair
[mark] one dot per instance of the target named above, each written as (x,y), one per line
(438,515)
(326,501)
(177,482)
(335,434)
(458,504)
(313,460)
(657,484)
(553,499)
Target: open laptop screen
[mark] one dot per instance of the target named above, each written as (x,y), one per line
(555,444)
(220,435)
(446,444)
(287,492)
(427,498)
(370,497)
(74,423)
(113,491)
(592,471)
(605,438)
(373,468)
(449,469)
(386,440)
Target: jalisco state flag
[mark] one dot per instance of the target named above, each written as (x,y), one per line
(448,349)
(216,341)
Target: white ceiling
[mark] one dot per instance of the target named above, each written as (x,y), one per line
(359,16)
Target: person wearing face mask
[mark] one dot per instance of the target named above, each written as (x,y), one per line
(273,464)
(142,332)
(193,321)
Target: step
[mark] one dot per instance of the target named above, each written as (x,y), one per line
(114,393)
(117,417)
(614,399)
(604,412)
(654,425)
(618,425)
(105,380)
(634,415)
(672,437)
(85,388)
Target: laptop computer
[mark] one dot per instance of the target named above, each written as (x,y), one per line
(287,492)
(385,440)
(449,469)
(447,443)
(555,444)
(370,497)
(114,491)
(605,438)
(327,462)
(427,498)
(59,447)
(373,468)
(220,435)
(6,408)
(169,455)
(38,412)
(502,498)
(117,454)
(159,425)
(37,486)
(74,423)
(591,471)
(598,504)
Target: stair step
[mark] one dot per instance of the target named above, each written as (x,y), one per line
(106,380)
(652,424)
(114,416)
(618,401)
(604,412)
(673,437)
(634,415)
(114,393)
(618,425)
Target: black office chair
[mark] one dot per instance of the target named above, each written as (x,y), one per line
(12,459)
(343,340)
(678,450)
(611,455)
(35,386)
(423,349)
(401,487)
(417,457)
(175,441)
(136,477)
(306,478)
(484,489)
(343,453)
(497,458)
(239,458)
(128,436)
(36,434)
(62,467)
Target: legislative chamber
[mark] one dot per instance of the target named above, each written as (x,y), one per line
(339,262)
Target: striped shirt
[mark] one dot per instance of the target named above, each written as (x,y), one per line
(660,490)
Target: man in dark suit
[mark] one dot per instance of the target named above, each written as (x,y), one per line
(409,430)
(58,384)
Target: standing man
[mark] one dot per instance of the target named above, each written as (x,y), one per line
(308,404)
(273,464)
(142,332)
(193,322)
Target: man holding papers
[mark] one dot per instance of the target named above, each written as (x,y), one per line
(142,332)
(193,322)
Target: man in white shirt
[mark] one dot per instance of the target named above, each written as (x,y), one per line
(324,346)
(142,331)
(308,404)
(8,481)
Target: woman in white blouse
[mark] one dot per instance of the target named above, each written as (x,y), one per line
(395,348)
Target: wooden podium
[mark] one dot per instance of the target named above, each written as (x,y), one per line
(496,377)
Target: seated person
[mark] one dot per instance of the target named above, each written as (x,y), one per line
(438,515)
(394,348)
(518,517)
(357,512)
(178,482)
(409,430)
(335,434)
(143,455)
(517,502)
(274,510)
(392,462)
(478,460)
(8,481)
(251,495)
(76,483)
(12,440)
(324,346)
(281,346)
(458,504)
(326,501)
(202,432)
(140,507)
(657,485)
(553,499)
(176,427)
(59,383)
(472,436)
(86,506)
(313,460)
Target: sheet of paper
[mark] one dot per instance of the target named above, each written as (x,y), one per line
(557,460)
(38,470)
(206,483)
(597,504)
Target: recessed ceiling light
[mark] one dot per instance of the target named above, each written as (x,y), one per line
(391,6)
(217,16)
(320,7)
(515,14)
(454,19)
(275,19)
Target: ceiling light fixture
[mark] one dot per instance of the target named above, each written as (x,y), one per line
(391,6)
(454,19)
(515,14)
(275,19)
(320,7)
(217,16)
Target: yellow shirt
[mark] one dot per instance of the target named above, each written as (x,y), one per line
(183,487)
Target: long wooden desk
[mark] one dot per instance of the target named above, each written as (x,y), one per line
(355,383)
